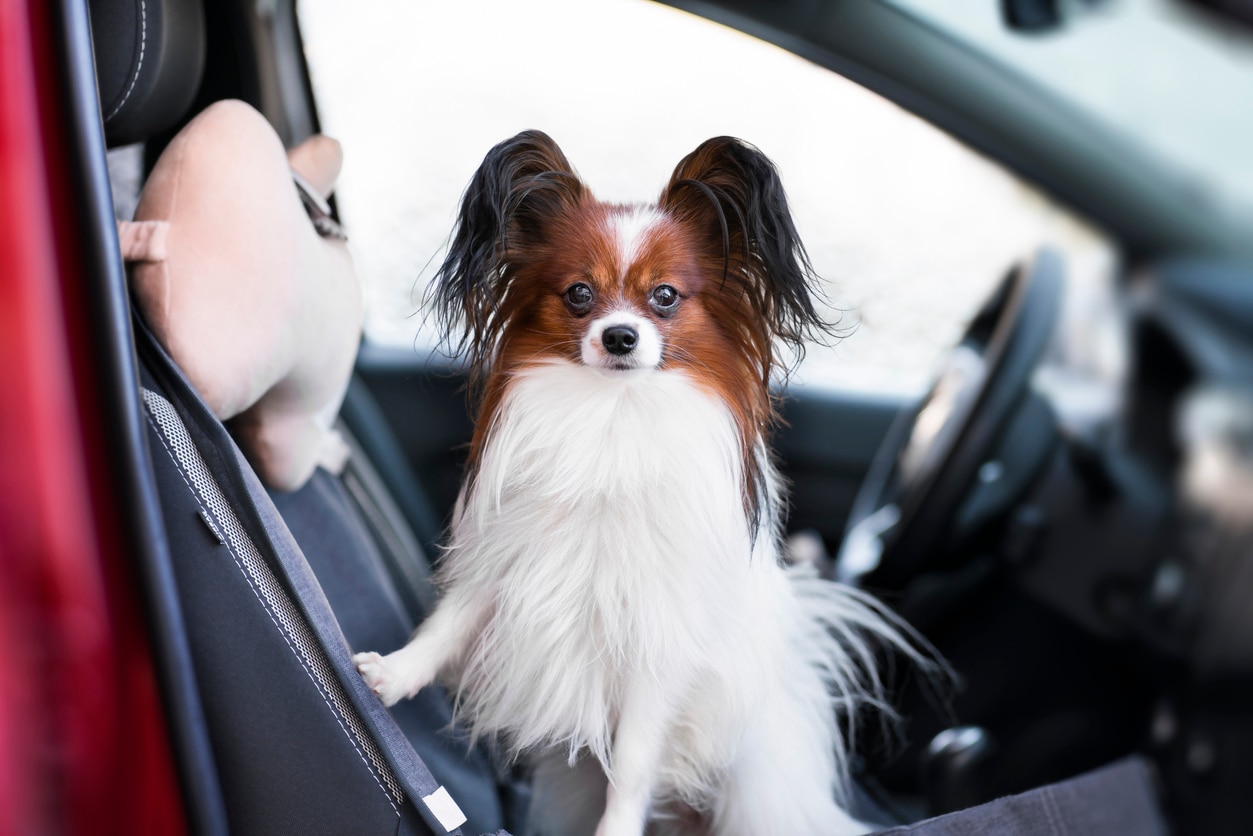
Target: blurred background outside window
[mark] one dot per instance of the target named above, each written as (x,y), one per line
(909,228)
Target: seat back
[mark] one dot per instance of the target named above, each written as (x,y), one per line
(300,744)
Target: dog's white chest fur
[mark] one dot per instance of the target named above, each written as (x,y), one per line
(603,590)
(607,517)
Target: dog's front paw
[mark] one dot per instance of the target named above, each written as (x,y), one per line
(383,681)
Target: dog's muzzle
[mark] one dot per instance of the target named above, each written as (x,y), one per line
(621,340)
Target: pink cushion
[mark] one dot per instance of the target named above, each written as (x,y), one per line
(262,314)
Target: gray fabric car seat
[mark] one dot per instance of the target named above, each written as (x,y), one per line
(299,743)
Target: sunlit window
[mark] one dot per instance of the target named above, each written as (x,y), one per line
(909,228)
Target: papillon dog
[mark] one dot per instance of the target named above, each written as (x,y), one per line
(614,585)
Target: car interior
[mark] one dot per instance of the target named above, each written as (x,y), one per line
(1088,587)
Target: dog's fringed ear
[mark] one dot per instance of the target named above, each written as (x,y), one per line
(731,194)
(522,184)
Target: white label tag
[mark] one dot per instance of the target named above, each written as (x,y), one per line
(445,809)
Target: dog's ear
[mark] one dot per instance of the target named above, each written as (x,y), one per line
(730,195)
(521,186)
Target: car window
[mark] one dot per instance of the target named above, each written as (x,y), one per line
(909,228)
(1164,75)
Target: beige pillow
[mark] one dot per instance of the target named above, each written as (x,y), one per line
(261,312)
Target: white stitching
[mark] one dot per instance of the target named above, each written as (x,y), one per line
(149,398)
(143,45)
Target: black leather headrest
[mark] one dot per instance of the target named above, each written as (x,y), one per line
(149,60)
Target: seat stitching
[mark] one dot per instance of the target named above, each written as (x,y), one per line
(143,45)
(1052,812)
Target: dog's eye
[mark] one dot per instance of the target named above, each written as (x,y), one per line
(664,299)
(579,297)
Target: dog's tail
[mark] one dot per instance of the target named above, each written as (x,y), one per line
(853,642)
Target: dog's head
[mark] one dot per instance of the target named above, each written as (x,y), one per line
(706,280)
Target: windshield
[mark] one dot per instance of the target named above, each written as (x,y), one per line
(1166,76)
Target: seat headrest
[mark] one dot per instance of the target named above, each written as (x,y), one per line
(150,57)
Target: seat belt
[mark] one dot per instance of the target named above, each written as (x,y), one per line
(406,560)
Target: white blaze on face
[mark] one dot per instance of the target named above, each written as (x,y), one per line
(630,232)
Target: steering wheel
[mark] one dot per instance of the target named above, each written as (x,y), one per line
(930,457)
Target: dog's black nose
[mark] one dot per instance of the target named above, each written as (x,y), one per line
(620,339)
